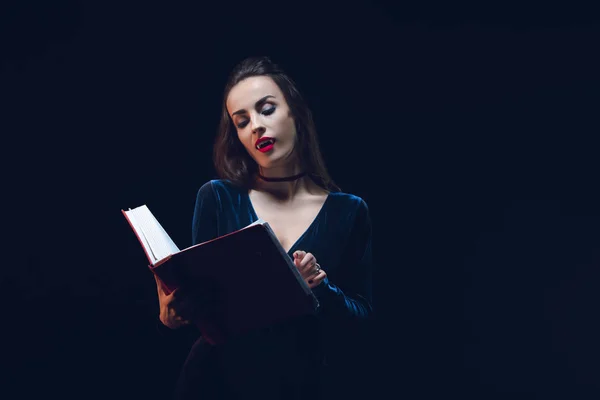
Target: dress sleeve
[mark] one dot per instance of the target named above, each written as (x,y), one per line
(205,218)
(351,294)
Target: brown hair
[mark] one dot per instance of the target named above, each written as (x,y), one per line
(231,160)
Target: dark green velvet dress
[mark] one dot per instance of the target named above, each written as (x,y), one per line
(311,357)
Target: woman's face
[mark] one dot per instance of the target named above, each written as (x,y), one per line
(263,121)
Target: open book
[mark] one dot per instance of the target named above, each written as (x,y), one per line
(257,281)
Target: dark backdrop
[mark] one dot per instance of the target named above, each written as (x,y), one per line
(469,130)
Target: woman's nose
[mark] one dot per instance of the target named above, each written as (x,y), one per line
(256,125)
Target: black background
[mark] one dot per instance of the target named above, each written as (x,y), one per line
(470,131)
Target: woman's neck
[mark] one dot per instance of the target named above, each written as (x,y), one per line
(290,178)
(284,191)
(283,183)
(286,182)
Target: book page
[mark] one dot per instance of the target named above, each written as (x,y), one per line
(158,240)
(257,222)
(140,234)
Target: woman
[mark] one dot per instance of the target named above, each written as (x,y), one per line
(269,164)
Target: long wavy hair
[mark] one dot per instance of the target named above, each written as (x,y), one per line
(231,160)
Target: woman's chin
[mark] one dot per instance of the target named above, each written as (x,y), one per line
(275,159)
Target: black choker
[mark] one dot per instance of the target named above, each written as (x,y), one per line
(284,179)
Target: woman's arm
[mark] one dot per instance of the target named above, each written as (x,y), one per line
(204,220)
(351,293)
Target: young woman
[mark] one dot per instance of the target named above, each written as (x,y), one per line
(269,164)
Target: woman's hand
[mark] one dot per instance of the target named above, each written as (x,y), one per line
(180,307)
(309,269)
(170,307)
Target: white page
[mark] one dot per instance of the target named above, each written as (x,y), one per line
(158,239)
(257,222)
(141,235)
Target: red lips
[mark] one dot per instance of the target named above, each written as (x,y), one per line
(264,144)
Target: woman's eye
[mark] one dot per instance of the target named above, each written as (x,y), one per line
(242,124)
(268,111)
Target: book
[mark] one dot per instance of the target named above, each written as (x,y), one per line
(257,281)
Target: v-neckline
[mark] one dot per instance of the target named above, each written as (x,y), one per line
(308,229)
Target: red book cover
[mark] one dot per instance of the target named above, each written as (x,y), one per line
(255,279)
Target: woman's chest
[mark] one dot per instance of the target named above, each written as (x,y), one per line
(289,224)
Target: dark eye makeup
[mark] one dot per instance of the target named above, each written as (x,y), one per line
(268,111)
(265,111)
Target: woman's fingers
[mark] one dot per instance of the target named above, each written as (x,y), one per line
(317,279)
(173,307)
(159,285)
(307,263)
(298,256)
(307,266)
(175,321)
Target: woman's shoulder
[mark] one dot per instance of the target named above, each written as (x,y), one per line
(348,198)
(218,190)
(215,185)
(350,201)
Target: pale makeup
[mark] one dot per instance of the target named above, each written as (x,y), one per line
(258,109)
